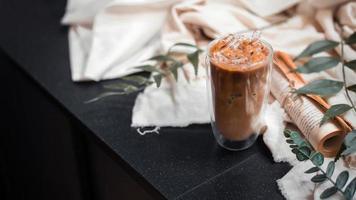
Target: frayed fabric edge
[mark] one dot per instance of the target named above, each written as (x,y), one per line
(282,189)
(144,132)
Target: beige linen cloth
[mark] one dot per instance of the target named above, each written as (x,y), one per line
(108,38)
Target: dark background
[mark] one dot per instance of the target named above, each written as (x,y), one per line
(45,152)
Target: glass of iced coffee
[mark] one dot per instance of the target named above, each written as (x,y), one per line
(238,70)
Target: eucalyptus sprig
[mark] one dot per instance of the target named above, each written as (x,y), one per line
(327,87)
(166,65)
(127,85)
(304,151)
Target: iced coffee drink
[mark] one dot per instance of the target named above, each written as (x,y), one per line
(238,70)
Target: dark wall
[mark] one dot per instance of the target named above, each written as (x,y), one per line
(46,154)
(38,157)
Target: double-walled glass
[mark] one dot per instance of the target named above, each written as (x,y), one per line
(238,81)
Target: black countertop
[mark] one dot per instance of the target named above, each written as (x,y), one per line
(178,163)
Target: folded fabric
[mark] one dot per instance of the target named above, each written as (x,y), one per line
(82,11)
(196,21)
(120,36)
(109,38)
(173,104)
(341,27)
(265,8)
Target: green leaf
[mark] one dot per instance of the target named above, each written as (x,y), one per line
(330,169)
(350,143)
(318,178)
(312,170)
(352,88)
(162,58)
(316,47)
(305,150)
(333,111)
(121,86)
(317,159)
(184,44)
(322,87)
(175,73)
(351,64)
(351,39)
(350,190)
(158,79)
(295,150)
(289,141)
(318,64)
(194,59)
(342,179)
(297,138)
(131,89)
(136,79)
(298,141)
(328,192)
(294,134)
(103,95)
(350,139)
(301,156)
(148,68)
(174,69)
(286,133)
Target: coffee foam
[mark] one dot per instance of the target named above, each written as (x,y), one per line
(239,52)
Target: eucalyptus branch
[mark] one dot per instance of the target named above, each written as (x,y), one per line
(344,76)
(126,91)
(304,151)
(167,65)
(322,171)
